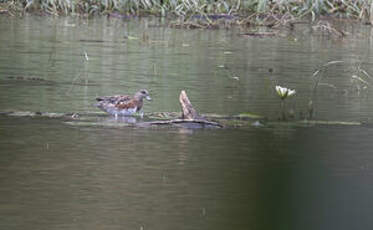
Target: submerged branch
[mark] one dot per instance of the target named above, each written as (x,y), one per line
(183,122)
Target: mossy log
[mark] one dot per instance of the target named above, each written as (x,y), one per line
(162,119)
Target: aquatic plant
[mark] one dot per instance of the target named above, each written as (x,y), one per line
(360,82)
(284,93)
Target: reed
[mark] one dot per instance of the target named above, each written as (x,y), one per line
(356,9)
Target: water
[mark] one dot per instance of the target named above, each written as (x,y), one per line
(58,176)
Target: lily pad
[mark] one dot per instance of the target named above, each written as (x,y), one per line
(344,123)
(248,115)
(132,38)
(22,114)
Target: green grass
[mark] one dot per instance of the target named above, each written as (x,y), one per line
(355,9)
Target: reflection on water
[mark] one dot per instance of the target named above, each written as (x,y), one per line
(120,119)
(56,176)
(59,176)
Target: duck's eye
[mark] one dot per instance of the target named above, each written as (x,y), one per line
(143,92)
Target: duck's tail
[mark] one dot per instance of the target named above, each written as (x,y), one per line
(99,105)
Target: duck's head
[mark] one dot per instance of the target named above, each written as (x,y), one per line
(143,93)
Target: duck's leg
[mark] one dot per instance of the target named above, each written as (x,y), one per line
(141,114)
(116,116)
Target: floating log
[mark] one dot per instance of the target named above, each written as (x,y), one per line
(190,123)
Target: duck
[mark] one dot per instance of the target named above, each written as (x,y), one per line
(123,105)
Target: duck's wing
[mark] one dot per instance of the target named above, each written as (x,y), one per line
(128,104)
(114,99)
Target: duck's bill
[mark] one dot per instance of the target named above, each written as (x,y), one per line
(148,98)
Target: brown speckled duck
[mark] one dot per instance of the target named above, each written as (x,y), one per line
(123,105)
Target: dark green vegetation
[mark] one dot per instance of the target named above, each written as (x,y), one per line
(241,11)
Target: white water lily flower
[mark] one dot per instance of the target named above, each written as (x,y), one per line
(284,92)
(291,92)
